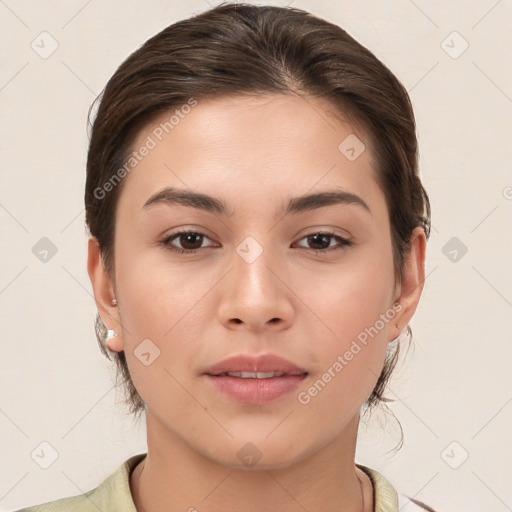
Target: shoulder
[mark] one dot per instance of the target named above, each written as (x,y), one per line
(113,493)
(387,499)
(75,503)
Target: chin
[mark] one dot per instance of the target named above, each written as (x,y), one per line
(258,453)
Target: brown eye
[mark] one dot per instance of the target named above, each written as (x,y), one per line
(189,241)
(321,242)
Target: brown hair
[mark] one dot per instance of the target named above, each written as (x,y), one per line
(248,49)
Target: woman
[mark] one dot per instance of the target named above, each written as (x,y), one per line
(258,232)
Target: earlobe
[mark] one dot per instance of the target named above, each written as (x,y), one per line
(411,285)
(104,294)
(113,341)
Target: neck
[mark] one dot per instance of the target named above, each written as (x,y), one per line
(173,476)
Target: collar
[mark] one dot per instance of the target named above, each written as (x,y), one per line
(115,490)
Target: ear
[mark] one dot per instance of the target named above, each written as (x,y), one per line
(103,293)
(408,291)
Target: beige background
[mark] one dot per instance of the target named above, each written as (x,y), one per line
(454,387)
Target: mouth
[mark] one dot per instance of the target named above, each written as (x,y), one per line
(255,380)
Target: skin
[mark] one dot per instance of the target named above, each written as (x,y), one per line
(255,154)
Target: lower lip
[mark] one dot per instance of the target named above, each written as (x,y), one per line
(256,391)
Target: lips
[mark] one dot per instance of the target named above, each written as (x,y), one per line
(243,365)
(255,380)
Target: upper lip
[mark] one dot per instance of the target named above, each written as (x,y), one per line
(247,363)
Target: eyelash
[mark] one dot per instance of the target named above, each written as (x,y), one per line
(344,243)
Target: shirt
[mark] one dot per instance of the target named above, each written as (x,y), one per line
(114,495)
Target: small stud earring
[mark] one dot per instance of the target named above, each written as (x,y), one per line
(114,302)
(111,334)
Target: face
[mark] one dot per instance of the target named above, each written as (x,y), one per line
(267,272)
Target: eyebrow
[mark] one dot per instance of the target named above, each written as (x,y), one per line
(173,196)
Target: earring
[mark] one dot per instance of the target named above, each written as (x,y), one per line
(111,334)
(114,302)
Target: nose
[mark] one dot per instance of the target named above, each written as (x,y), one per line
(254,294)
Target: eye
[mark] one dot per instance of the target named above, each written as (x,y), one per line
(190,241)
(324,239)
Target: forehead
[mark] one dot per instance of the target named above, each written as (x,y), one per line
(251,147)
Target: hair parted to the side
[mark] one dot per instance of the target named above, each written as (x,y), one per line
(236,49)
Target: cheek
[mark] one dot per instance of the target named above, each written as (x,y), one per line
(173,320)
(345,376)
(352,296)
(354,306)
(163,318)
(158,292)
